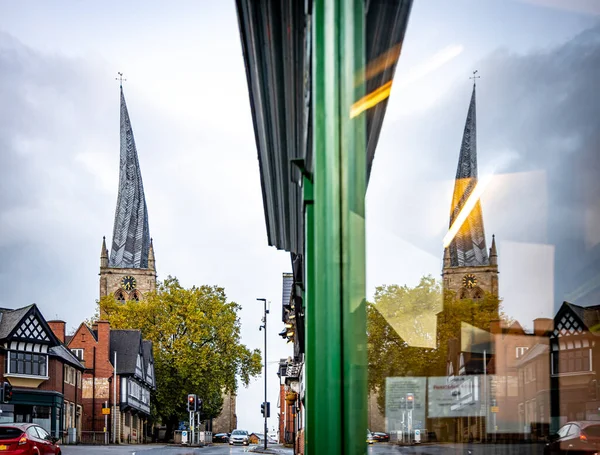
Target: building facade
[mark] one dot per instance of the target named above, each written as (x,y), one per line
(99,347)
(45,375)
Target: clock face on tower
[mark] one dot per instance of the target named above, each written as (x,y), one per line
(128,283)
(469,281)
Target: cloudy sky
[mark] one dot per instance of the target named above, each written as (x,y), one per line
(538,115)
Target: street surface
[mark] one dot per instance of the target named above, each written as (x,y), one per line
(221,449)
(157,449)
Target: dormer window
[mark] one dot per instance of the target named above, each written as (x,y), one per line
(150,373)
(138,367)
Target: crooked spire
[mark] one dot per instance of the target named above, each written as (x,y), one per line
(131,235)
(468,246)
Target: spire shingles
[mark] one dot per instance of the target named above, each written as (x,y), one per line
(468,246)
(131,235)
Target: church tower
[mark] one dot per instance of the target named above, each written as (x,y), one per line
(129,272)
(469,269)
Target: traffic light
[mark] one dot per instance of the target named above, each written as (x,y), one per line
(191,403)
(199,404)
(6,392)
(265,407)
(410,401)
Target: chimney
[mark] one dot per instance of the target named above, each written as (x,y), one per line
(103,331)
(496,326)
(541,326)
(58,328)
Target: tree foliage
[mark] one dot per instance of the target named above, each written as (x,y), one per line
(409,329)
(196,341)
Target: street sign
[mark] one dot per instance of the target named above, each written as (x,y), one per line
(184,437)
(105,411)
(495,409)
(417,436)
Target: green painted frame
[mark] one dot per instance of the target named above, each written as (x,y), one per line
(336,360)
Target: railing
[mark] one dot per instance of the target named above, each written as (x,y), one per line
(95,437)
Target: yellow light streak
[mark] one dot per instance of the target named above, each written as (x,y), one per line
(379,64)
(466,210)
(370,100)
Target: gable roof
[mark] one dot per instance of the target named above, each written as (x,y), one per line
(127,344)
(574,319)
(13,320)
(148,355)
(85,327)
(9,318)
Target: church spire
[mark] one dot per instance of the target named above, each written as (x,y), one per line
(468,247)
(131,235)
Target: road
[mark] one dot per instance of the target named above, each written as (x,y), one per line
(157,449)
(375,449)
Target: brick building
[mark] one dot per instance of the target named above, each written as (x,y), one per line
(97,347)
(45,375)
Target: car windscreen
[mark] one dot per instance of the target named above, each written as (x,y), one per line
(238,432)
(10,432)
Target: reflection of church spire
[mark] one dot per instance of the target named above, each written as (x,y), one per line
(468,246)
(131,235)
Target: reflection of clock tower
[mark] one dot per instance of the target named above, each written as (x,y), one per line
(469,270)
(130,271)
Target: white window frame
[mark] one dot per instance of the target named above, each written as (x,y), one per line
(9,371)
(78,352)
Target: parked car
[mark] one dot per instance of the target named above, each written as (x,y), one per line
(582,437)
(221,437)
(26,439)
(381,437)
(239,437)
(370,438)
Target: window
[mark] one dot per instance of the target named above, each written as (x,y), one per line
(127,419)
(571,361)
(43,434)
(520,351)
(28,363)
(78,353)
(120,296)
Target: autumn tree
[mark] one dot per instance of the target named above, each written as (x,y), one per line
(196,340)
(409,329)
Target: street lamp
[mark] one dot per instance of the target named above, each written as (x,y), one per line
(264,326)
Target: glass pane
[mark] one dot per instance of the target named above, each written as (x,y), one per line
(483,245)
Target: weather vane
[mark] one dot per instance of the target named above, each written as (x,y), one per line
(475,76)
(120,78)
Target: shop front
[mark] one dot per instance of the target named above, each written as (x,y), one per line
(35,406)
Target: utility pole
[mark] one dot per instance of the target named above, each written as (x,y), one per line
(264,326)
(114,417)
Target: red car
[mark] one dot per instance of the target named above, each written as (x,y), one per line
(581,437)
(26,439)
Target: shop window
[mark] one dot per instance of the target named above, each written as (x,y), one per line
(28,363)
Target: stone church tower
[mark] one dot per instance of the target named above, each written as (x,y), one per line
(130,270)
(469,269)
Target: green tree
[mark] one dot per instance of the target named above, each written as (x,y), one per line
(410,329)
(196,340)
